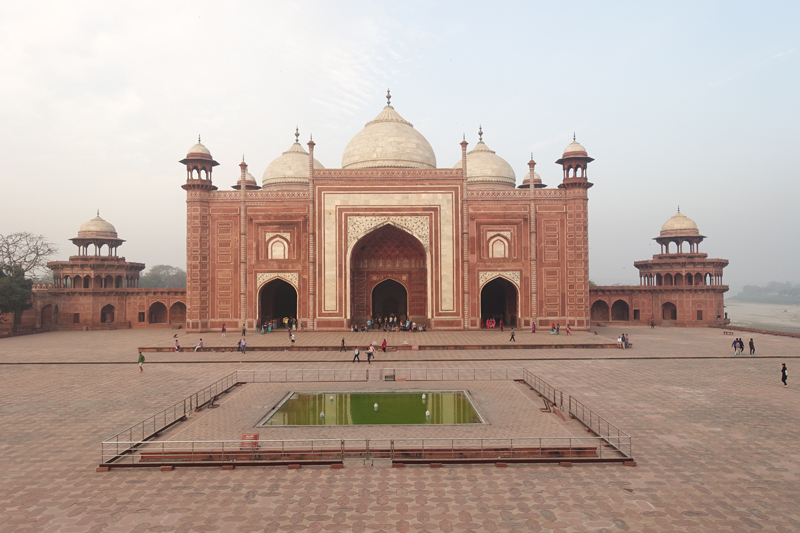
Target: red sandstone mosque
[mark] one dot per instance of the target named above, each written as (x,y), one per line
(388,233)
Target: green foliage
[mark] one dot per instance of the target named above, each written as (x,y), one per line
(163,276)
(16,294)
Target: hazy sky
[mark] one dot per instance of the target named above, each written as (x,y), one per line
(690,103)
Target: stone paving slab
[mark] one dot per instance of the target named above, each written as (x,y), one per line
(716,442)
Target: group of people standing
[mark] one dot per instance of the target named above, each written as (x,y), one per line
(390,323)
(357,352)
(623,342)
(738,347)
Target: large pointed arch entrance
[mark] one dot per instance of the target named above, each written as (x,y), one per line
(277,299)
(388,269)
(499,302)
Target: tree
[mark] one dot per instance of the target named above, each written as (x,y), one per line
(16,295)
(25,251)
(163,276)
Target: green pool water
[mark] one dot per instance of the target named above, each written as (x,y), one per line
(358,408)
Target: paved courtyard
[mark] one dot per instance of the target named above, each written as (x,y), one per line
(715,438)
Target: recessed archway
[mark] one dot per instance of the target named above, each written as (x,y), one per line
(620,311)
(669,311)
(600,311)
(388,252)
(47,315)
(277,300)
(107,314)
(177,313)
(499,302)
(389,298)
(157,313)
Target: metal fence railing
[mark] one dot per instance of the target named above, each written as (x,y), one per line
(457,450)
(135,445)
(153,425)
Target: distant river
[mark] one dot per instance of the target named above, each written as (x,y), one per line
(767,316)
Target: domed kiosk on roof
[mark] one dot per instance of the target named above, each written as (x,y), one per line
(486,169)
(388,141)
(290,170)
(679,224)
(98,233)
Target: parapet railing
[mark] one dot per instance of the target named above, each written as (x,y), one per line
(327,451)
(133,440)
(300,375)
(152,426)
(592,421)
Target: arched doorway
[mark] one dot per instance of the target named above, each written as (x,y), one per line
(620,311)
(177,313)
(600,311)
(499,301)
(388,252)
(277,299)
(107,314)
(47,315)
(389,298)
(157,313)
(669,311)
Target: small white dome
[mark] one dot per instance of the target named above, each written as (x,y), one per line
(574,147)
(486,169)
(97,228)
(290,170)
(388,141)
(679,224)
(198,149)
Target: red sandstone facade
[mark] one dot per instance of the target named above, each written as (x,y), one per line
(389,232)
(678,287)
(100,291)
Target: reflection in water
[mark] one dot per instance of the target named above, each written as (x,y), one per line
(358,408)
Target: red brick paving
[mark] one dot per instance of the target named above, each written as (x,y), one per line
(715,439)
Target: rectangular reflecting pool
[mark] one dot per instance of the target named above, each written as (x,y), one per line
(359,408)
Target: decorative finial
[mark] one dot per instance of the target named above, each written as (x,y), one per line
(310,136)
(531,156)
(242,158)
(98,212)
(480,133)
(388,97)
(573,136)
(198,138)
(679,208)
(463,136)
(296,134)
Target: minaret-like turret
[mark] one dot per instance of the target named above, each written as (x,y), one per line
(199,164)
(575,161)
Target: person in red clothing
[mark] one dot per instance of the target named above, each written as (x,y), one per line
(383,346)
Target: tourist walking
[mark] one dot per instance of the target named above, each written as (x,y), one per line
(784,374)
(652,324)
(512,339)
(558,329)
(735,345)
(501,325)
(141,362)
(383,346)
(343,348)
(244,330)
(569,331)
(223,330)
(355,355)
(199,345)
(533,326)
(752,347)
(244,345)
(292,337)
(370,353)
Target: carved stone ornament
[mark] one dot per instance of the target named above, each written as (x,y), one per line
(418,226)
(511,275)
(263,277)
(506,234)
(287,236)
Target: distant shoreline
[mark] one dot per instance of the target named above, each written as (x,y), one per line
(777,316)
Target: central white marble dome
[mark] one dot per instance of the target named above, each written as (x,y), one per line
(388,141)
